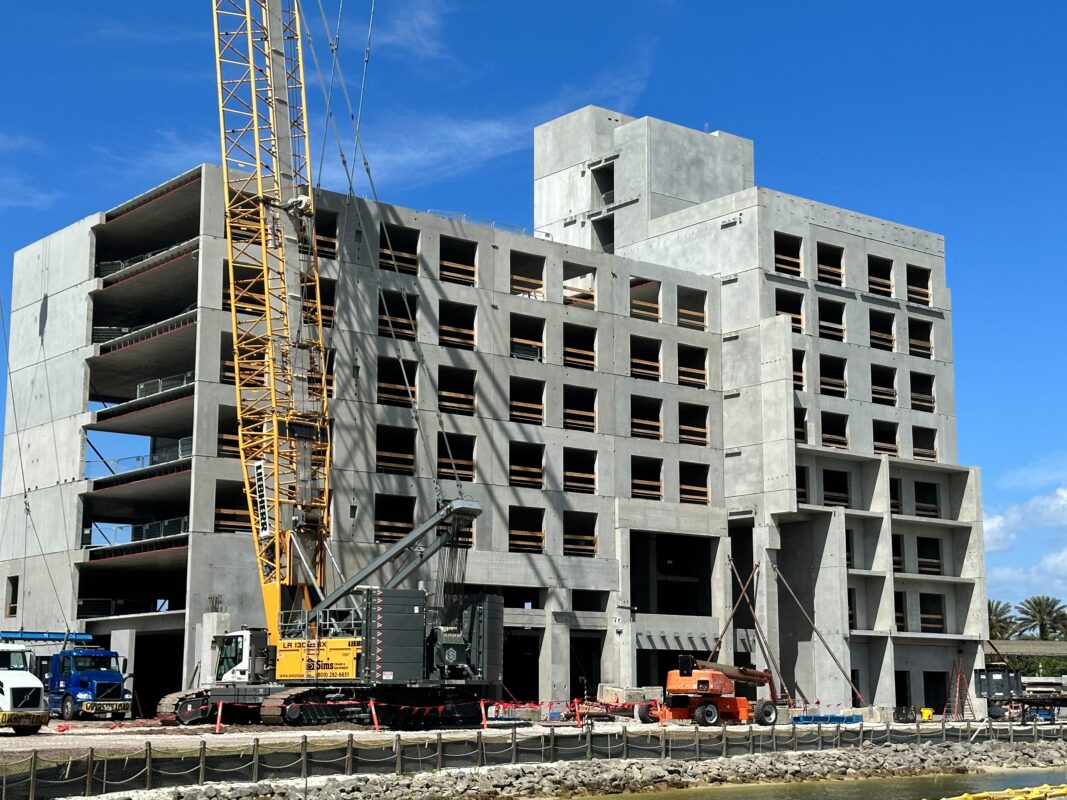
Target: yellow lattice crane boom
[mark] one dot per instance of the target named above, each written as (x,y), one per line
(326,655)
(278,347)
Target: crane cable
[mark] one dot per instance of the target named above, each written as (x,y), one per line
(356,118)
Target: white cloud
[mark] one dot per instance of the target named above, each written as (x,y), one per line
(1048,471)
(407,148)
(23,192)
(162,155)
(415,28)
(14,142)
(1037,513)
(1046,573)
(126,34)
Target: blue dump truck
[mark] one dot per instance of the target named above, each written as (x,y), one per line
(87,682)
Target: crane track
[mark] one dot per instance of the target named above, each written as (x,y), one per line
(167,707)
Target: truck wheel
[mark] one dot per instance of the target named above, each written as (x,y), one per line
(706,714)
(766,713)
(26,730)
(68,710)
(643,712)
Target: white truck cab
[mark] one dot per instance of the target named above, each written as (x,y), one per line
(22,699)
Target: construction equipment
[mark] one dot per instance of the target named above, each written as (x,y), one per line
(704,691)
(87,681)
(323,656)
(22,706)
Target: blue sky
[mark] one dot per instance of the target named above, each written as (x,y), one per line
(948,116)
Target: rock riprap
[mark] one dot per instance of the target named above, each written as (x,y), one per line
(571,778)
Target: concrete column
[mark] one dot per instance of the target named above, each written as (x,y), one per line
(766,541)
(830,601)
(124,642)
(722,598)
(555,657)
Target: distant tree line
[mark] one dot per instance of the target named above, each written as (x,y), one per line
(1037,617)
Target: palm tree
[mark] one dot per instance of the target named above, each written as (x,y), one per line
(1002,623)
(1041,613)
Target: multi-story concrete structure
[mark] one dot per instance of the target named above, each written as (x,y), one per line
(679,372)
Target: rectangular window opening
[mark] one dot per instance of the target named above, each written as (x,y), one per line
(579,408)
(579,470)
(527,401)
(456,326)
(880,276)
(918,285)
(325,234)
(579,346)
(922,392)
(693,424)
(885,437)
(398,249)
(800,424)
(645,417)
(527,337)
(603,185)
(835,430)
(830,258)
(11,603)
(926,500)
(646,478)
(579,285)
(882,337)
(604,234)
(394,450)
(798,370)
(692,308)
(693,483)
(394,517)
(802,485)
(528,275)
(455,456)
(924,443)
(644,358)
(900,613)
(895,504)
(920,338)
(396,382)
(579,534)
(526,465)
(928,555)
(692,366)
(455,390)
(883,385)
(398,315)
(787,253)
(526,530)
(459,259)
(832,376)
(835,488)
(931,613)
(790,304)
(831,320)
(644,299)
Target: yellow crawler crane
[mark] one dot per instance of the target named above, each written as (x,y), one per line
(276,313)
(317,661)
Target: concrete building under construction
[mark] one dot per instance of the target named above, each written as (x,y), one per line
(676,375)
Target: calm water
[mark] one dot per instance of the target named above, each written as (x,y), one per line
(929,787)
